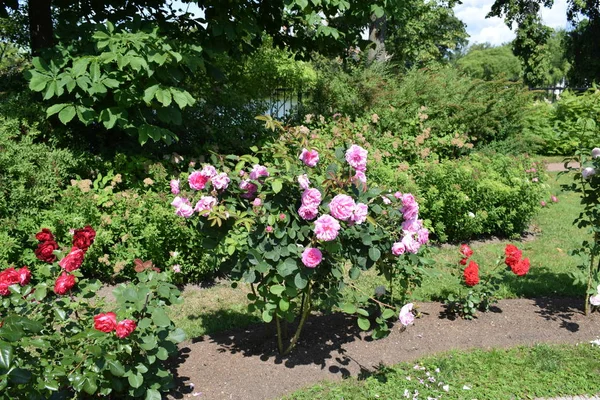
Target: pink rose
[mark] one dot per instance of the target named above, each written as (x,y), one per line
(204,205)
(398,249)
(257,202)
(542,203)
(398,195)
(326,228)
(311,198)
(105,322)
(342,206)
(174,186)
(356,156)
(410,208)
(311,257)
(412,225)
(554,199)
(258,171)
(125,328)
(197,180)
(410,244)
(177,201)
(220,181)
(250,189)
(184,210)
(406,316)
(360,177)
(73,260)
(64,283)
(269,229)
(422,236)
(208,171)
(359,213)
(308,213)
(309,157)
(303,181)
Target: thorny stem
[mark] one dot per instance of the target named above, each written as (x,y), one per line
(305,314)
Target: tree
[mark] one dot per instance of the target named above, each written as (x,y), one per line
(490,63)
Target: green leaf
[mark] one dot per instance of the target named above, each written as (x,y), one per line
(277,289)
(362,311)
(284,304)
(6,355)
(388,313)
(149,93)
(300,281)
(116,368)
(19,376)
(95,71)
(277,185)
(38,81)
(160,318)
(377,10)
(135,380)
(348,308)
(67,114)
(80,66)
(153,394)
(90,385)
(267,316)
(364,323)
(374,253)
(55,108)
(163,96)
(176,336)
(354,273)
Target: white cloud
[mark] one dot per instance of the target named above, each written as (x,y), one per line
(493,30)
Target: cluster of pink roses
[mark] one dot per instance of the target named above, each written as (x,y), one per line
(258,171)
(107,322)
(414,234)
(198,180)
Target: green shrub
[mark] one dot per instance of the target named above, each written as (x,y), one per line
(479,195)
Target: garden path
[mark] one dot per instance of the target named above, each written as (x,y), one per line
(243,364)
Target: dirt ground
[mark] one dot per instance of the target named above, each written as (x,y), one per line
(244,364)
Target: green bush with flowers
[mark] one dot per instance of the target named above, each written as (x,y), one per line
(304,225)
(58,339)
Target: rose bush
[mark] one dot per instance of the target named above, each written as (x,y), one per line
(301,224)
(57,340)
(478,294)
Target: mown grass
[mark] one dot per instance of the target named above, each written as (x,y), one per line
(221,307)
(519,373)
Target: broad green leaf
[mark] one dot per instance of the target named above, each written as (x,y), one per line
(108,117)
(67,114)
(348,308)
(163,96)
(55,108)
(19,376)
(374,253)
(80,66)
(95,71)
(38,81)
(135,380)
(162,354)
(364,323)
(153,394)
(116,368)
(300,281)
(277,289)
(6,355)
(160,318)
(284,304)
(362,311)
(267,316)
(90,386)
(277,185)
(388,313)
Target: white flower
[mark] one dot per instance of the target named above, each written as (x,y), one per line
(596,152)
(446,388)
(588,172)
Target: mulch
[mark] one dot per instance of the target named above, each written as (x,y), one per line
(244,364)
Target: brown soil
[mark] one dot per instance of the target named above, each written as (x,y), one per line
(244,364)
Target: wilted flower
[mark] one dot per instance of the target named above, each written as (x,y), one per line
(588,172)
(406,315)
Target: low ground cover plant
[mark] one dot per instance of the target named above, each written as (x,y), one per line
(59,338)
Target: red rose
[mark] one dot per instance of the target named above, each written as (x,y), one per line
(471,274)
(521,267)
(9,276)
(24,276)
(73,260)
(45,235)
(466,251)
(125,327)
(64,283)
(513,255)
(105,322)
(463,261)
(4,291)
(84,237)
(45,250)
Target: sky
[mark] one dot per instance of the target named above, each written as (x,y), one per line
(493,30)
(490,30)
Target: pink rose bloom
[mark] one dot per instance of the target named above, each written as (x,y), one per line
(410,212)
(303,181)
(197,180)
(309,157)
(554,199)
(412,225)
(311,257)
(308,213)
(311,198)
(177,268)
(542,203)
(177,201)
(410,244)
(174,186)
(105,322)
(220,181)
(326,228)
(423,236)
(257,202)
(184,210)
(534,180)
(360,177)
(269,229)
(205,204)
(282,216)
(406,316)
(73,260)
(398,195)
(208,171)
(359,213)
(250,189)
(356,156)
(258,171)
(386,200)
(342,206)
(398,249)
(125,328)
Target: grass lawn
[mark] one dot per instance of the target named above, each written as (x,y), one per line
(521,373)
(220,307)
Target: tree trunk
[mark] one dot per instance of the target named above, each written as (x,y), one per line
(41,30)
(377,35)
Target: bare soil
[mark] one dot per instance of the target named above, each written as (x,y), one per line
(244,364)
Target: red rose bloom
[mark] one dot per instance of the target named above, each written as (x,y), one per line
(125,327)
(45,235)
(45,250)
(463,261)
(513,255)
(105,322)
(466,251)
(24,276)
(471,274)
(84,237)
(73,260)
(521,267)
(64,283)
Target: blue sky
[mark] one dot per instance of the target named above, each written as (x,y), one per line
(491,30)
